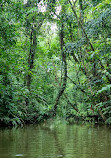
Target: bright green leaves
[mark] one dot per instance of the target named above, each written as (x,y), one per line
(32,10)
(105,89)
(20,23)
(10,14)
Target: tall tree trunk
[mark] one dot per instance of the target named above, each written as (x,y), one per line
(33,45)
(32,27)
(61,91)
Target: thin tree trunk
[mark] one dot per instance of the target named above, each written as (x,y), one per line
(84,32)
(81,11)
(65,95)
(80,24)
(76,85)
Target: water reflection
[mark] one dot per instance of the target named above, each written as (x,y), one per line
(52,140)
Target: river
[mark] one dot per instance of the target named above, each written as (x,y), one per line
(55,140)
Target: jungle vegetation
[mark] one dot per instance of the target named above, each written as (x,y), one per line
(55,60)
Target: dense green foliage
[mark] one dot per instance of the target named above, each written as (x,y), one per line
(55,60)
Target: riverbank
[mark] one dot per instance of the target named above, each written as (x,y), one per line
(70,119)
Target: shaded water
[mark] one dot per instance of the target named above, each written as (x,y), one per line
(55,140)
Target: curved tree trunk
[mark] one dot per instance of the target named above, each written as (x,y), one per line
(65,70)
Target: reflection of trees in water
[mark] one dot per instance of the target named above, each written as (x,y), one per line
(53,133)
(54,140)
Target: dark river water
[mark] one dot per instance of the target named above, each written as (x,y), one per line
(56,140)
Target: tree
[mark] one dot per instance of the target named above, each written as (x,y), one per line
(55,58)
